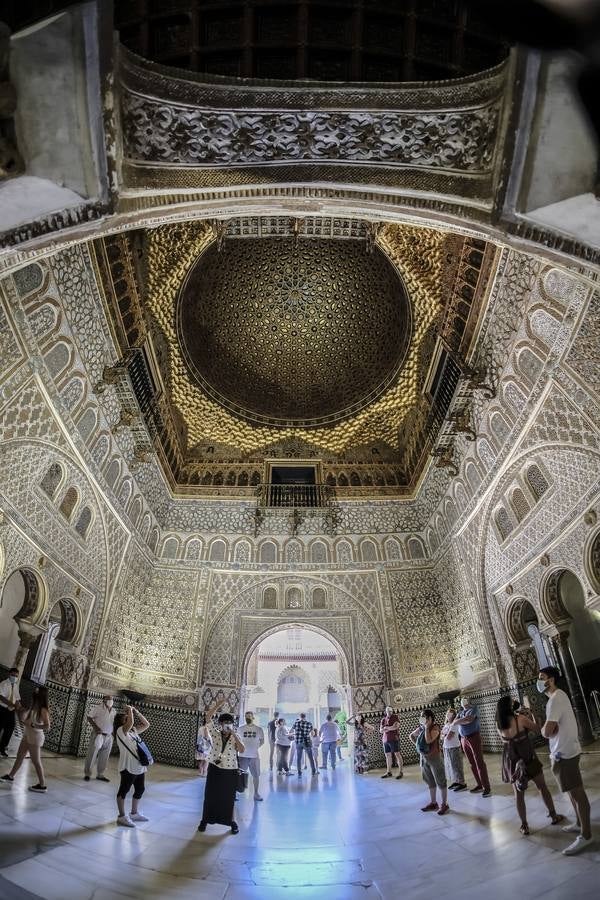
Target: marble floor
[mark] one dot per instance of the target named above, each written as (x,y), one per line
(338,837)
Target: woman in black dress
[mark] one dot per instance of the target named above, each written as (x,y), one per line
(222,773)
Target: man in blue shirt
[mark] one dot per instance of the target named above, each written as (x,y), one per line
(467,720)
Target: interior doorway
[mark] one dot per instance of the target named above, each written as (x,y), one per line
(295,669)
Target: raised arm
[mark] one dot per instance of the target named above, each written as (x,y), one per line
(210,712)
(141,722)
(127,720)
(414,735)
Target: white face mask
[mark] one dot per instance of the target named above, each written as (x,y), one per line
(464,703)
(542,686)
(423,720)
(226,726)
(12,678)
(108,704)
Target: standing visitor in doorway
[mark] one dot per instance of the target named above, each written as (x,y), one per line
(427,741)
(560,728)
(222,775)
(282,743)
(520,763)
(389,729)
(361,755)
(128,727)
(252,737)
(467,720)
(453,755)
(36,722)
(340,718)
(315,743)
(101,718)
(330,734)
(271,730)
(302,732)
(10,701)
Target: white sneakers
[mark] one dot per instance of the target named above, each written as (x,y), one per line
(129,821)
(579,844)
(574,828)
(125,821)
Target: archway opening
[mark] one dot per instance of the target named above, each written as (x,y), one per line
(295,669)
(584,631)
(19,600)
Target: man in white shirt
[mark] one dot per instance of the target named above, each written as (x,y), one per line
(9,702)
(252,737)
(330,734)
(560,728)
(101,718)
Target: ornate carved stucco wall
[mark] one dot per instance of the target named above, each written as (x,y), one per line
(170,589)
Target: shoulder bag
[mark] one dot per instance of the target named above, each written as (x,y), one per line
(143,755)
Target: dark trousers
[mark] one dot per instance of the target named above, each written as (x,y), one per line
(127,780)
(7,726)
(471,744)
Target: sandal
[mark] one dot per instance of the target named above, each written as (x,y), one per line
(556,819)
(524,829)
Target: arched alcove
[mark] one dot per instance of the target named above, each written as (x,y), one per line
(22,598)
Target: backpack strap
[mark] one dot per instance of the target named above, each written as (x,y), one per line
(135,756)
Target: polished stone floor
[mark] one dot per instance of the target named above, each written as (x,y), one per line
(336,837)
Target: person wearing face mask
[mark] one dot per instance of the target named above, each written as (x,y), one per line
(561,730)
(10,701)
(101,718)
(252,737)
(389,728)
(222,773)
(427,741)
(467,720)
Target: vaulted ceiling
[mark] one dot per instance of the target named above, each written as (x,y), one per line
(295,338)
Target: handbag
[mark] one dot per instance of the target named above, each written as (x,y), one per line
(242,781)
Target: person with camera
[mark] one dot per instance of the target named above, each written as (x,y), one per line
(128,727)
(222,774)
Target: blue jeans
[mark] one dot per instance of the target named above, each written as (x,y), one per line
(309,754)
(328,749)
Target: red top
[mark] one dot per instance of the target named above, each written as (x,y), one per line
(389,733)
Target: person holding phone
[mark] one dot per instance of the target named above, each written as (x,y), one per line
(128,727)
(222,774)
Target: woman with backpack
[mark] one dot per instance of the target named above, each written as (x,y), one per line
(520,763)
(133,763)
(427,741)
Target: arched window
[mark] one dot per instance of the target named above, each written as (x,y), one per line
(268,552)
(153,542)
(269,598)
(64,614)
(84,521)
(330,480)
(114,470)
(318,552)
(293,598)
(230,480)
(472,475)
(207,478)
(355,479)
(433,541)
(218,550)
(171,548)
(69,502)
(241,552)
(319,598)
(536,481)
(368,551)
(503,523)
(415,549)
(218,479)
(255,479)
(292,689)
(343,480)
(344,552)
(135,511)
(52,479)
(519,504)
(243,479)
(393,549)
(193,548)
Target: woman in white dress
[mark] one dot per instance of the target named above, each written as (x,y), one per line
(36,722)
